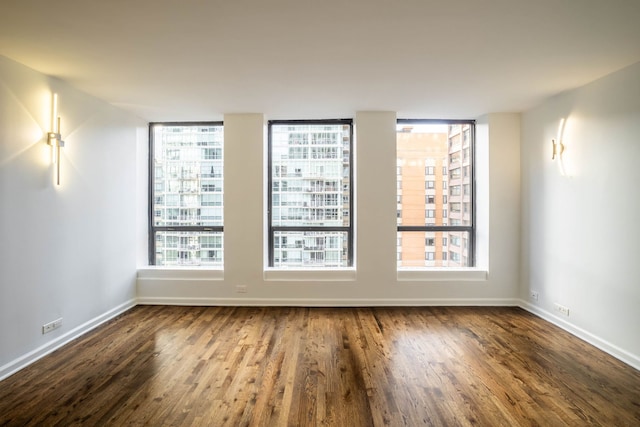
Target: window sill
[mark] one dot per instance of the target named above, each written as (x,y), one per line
(180,273)
(310,275)
(443,275)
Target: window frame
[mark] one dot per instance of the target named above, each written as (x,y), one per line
(152,228)
(271,229)
(470,229)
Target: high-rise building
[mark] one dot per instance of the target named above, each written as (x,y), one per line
(188,194)
(310,195)
(433,190)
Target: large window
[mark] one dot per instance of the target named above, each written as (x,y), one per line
(434,164)
(186,194)
(310,212)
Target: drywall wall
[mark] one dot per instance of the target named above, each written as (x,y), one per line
(374,279)
(581,217)
(66,251)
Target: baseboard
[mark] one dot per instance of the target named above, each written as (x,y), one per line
(615,351)
(23,361)
(328,302)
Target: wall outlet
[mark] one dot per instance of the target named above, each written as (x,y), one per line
(48,327)
(241,289)
(534,295)
(562,309)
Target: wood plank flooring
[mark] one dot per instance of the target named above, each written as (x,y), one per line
(275,366)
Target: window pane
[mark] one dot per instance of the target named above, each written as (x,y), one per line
(188,170)
(435,174)
(310,249)
(189,248)
(433,249)
(310,174)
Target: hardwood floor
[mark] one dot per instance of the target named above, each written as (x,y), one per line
(244,366)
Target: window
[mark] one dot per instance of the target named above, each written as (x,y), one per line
(437,229)
(317,212)
(186,182)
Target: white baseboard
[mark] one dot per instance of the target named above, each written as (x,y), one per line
(23,361)
(607,347)
(327,302)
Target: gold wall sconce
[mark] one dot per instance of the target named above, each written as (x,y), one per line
(557,145)
(54,138)
(558,149)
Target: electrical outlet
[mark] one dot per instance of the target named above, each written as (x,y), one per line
(241,289)
(534,295)
(562,309)
(48,327)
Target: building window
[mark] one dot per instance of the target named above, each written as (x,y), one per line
(186,182)
(439,217)
(314,208)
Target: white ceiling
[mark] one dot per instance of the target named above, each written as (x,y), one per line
(198,59)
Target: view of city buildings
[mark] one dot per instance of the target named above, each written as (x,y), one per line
(310,195)
(434,185)
(187,194)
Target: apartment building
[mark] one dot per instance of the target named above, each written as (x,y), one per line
(310,189)
(187,164)
(434,189)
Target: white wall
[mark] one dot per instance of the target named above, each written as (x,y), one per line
(374,280)
(67,251)
(581,231)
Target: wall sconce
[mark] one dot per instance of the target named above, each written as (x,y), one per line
(54,138)
(558,147)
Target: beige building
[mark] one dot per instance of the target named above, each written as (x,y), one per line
(434,189)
